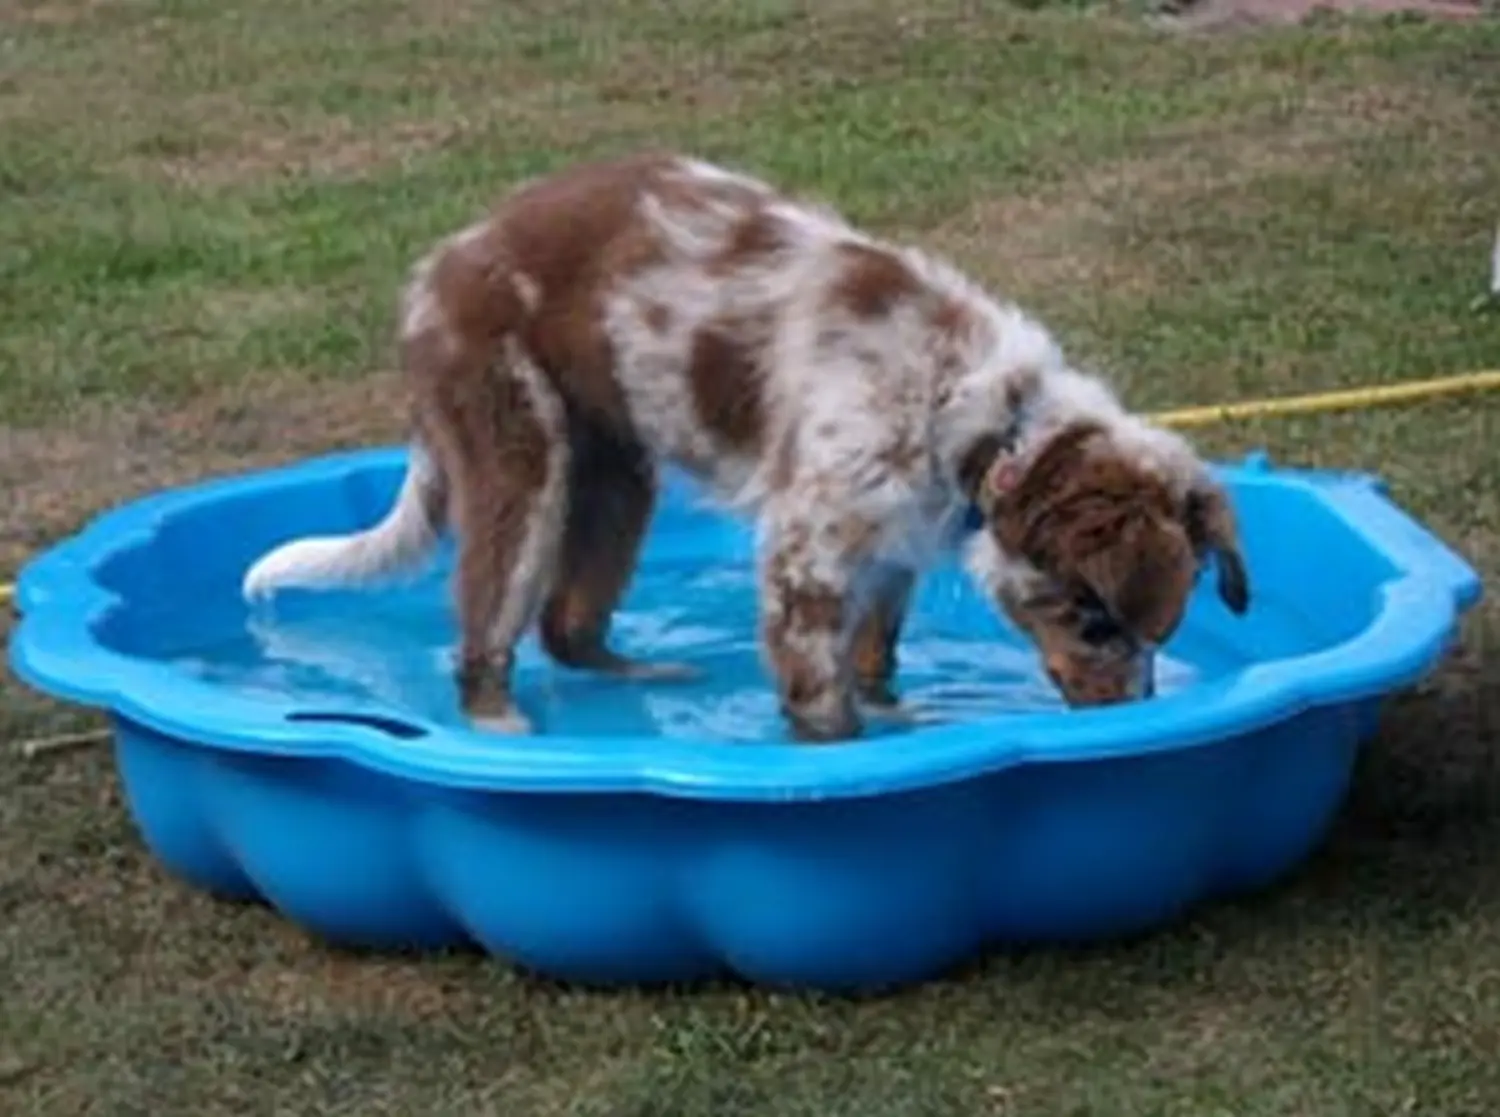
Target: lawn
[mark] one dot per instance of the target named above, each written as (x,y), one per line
(205,211)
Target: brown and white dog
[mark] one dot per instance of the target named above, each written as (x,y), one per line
(858,398)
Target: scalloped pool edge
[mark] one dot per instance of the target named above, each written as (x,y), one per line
(54,651)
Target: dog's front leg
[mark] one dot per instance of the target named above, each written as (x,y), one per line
(806,620)
(876,637)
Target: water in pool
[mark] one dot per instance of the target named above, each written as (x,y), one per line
(393,647)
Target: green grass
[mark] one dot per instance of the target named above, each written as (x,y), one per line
(205,211)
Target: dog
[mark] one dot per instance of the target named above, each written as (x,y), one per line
(866,403)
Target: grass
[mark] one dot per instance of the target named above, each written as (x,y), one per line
(204,214)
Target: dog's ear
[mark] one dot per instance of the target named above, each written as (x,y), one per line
(1143,576)
(1211,527)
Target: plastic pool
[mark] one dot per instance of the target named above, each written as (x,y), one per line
(312,755)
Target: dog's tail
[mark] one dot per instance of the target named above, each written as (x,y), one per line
(407,535)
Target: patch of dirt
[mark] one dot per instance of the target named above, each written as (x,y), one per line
(1042,243)
(105,456)
(240,310)
(1232,15)
(307,976)
(1073,236)
(60,13)
(217,144)
(334,147)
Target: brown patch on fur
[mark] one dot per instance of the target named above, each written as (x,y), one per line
(757,236)
(951,319)
(727,381)
(573,234)
(658,318)
(479,301)
(873,282)
(904,456)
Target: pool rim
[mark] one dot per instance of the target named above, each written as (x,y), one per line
(53,650)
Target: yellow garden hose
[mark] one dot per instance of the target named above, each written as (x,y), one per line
(1346,399)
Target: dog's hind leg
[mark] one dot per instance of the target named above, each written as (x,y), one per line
(501,435)
(612,490)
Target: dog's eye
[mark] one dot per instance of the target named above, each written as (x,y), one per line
(1096,626)
(1099,630)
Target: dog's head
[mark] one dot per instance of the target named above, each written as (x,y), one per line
(1113,549)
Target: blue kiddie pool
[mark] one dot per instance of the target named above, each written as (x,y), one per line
(312,755)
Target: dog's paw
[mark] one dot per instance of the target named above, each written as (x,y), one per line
(877,693)
(890,713)
(256,588)
(510,723)
(648,671)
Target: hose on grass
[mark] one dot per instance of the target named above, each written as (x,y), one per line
(1347,399)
